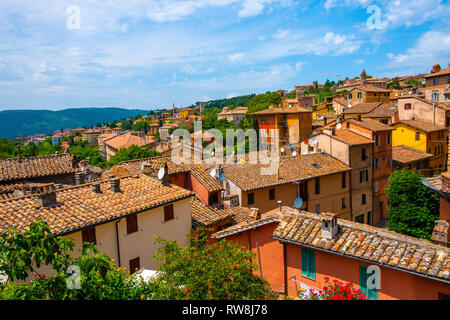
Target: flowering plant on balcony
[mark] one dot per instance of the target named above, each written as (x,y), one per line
(337,290)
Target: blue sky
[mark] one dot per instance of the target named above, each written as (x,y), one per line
(145,54)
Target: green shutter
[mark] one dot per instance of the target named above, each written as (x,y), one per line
(305,262)
(308,263)
(363,279)
(312,264)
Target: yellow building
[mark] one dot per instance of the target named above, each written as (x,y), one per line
(185,112)
(424,136)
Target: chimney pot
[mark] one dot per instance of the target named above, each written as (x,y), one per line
(441,234)
(329,225)
(46,196)
(279,205)
(115,185)
(254,215)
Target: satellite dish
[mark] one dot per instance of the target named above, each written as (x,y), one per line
(298,202)
(222,176)
(294,153)
(349,106)
(313,140)
(212,153)
(212,173)
(291,146)
(339,126)
(161,173)
(282,149)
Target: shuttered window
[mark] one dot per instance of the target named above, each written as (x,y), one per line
(363,285)
(168,212)
(88,235)
(308,263)
(134,265)
(132,225)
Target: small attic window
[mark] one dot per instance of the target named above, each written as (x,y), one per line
(315,165)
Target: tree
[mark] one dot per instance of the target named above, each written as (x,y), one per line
(413,208)
(394,84)
(131,153)
(220,270)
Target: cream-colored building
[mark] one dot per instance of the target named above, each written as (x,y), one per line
(121,216)
(235,115)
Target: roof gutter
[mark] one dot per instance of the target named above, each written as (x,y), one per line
(363,260)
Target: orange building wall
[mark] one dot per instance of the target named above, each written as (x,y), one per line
(271,252)
(394,284)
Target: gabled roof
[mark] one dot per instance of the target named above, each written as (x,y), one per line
(206,216)
(209,182)
(385,110)
(370,124)
(367,243)
(79,207)
(128,139)
(12,169)
(422,125)
(439,73)
(134,166)
(291,169)
(370,88)
(404,155)
(362,108)
(282,110)
(349,137)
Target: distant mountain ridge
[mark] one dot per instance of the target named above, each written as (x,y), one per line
(29,122)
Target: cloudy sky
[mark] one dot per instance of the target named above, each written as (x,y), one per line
(56,54)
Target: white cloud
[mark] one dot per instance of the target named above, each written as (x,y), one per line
(299,65)
(430,47)
(360,61)
(281,34)
(236,57)
(232,95)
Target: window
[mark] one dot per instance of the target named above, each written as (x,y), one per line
(369,217)
(134,265)
(359,95)
(272,194)
(363,176)
(360,218)
(388,138)
(132,225)
(263,119)
(363,199)
(88,235)
(377,186)
(343,203)
(317,186)
(213,198)
(378,140)
(377,164)
(417,136)
(435,81)
(251,198)
(317,208)
(364,284)
(344,182)
(435,96)
(168,212)
(350,95)
(407,106)
(363,154)
(308,263)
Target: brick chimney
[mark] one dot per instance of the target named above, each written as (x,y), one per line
(79,178)
(115,185)
(329,225)
(19,153)
(436,68)
(363,77)
(254,215)
(46,195)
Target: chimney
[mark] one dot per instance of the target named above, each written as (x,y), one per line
(330,131)
(280,209)
(115,185)
(165,179)
(46,196)
(254,215)
(441,234)
(363,77)
(329,225)
(79,178)
(96,188)
(19,153)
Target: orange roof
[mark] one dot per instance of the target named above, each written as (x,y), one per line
(282,110)
(405,155)
(349,137)
(371,124)
(128,139)
(421,125)
(439,73)
(370,88)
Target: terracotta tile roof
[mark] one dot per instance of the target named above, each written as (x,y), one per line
(373,125)
(370,88)
(25,168)
(134,166)
(302,167)
(374,245)
(282,110)
(439,73)
(442,105)
(209,182)
(128,139)
(349,137)
(404,155)
(421,125)
(79,207)
(206,216)
(362,108)
(341,101)
(237,110)
(266,218)
(385,110)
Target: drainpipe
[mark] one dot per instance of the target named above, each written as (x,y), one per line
(118,242)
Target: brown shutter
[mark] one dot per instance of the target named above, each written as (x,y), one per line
(132,225)
(168,212)
(134,265)
(88,235)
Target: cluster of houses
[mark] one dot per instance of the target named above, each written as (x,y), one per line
(321,215)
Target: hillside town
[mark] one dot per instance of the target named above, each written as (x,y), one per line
(327,213)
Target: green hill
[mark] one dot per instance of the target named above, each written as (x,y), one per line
(29,122)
